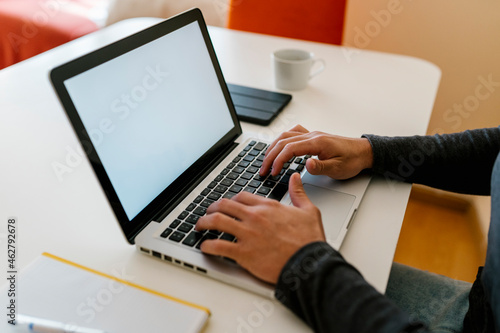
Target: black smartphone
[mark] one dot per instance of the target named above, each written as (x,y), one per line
(257,106)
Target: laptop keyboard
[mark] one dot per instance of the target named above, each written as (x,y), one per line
(242,174)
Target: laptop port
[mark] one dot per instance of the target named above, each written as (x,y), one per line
(156,254)
(167,258)
(145,250)
(188,265)
(201,270)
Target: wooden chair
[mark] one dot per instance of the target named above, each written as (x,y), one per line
(317,20)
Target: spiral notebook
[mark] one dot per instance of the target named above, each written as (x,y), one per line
(57,289)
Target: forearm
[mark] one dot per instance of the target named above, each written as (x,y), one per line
(330,295)
(460,162)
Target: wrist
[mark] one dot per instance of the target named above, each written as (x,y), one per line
(366,154)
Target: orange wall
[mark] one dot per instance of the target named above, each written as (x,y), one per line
(462,37)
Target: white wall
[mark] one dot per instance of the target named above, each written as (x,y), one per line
(214,11)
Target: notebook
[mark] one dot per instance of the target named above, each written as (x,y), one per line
(154,115)
(53,288)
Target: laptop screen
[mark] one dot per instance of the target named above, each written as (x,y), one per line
(151,113)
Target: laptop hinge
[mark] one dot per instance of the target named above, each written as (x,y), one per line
(186,190)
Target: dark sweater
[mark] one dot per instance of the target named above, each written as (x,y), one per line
(330,295)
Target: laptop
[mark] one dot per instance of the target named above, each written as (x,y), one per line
(155,118)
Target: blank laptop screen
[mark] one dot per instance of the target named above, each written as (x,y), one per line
(151,113)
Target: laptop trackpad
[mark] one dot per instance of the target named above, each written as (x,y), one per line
(334,207)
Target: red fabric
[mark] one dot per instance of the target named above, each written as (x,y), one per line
(318,20)
(30,27)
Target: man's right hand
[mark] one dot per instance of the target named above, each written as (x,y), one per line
(338,157)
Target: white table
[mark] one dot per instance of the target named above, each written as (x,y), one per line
(359,92)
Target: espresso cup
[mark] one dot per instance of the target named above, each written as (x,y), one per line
(292,68)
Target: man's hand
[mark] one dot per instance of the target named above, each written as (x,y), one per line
(267,232)
(338,157)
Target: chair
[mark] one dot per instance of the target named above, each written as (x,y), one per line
(30,27)
(319,20)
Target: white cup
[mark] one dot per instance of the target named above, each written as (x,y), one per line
(292,68)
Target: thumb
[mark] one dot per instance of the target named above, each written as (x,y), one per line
(328,167)
(317,167)
(297,192)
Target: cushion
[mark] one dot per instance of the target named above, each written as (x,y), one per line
(30,27)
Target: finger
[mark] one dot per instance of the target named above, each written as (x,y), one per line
(318,167)
(299,128)
(221,222)
(330,167)
(296,130)
(227,207)
(281,153)
(248,199)
(301,146)
(281,137)
(271,152)
(220,247)
(297,192)
(313,167)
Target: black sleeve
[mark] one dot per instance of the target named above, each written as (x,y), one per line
(330,295)
(460,162)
